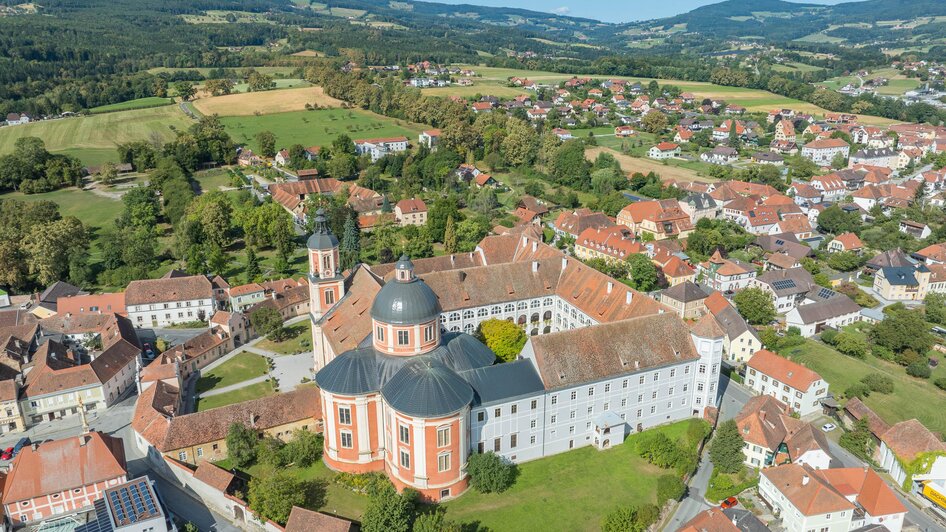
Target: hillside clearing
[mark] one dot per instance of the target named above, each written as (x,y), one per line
(267,102)
(140,103)
(631,164)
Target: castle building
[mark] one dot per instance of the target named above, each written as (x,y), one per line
(405,388)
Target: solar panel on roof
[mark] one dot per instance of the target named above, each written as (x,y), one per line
(824,293)
(779,242)
(784,284)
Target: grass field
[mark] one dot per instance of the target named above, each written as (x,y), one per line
(317,128)
(140,103)
(490,88)
(796,67)
(912,398)
(247,393)
(276,71)
(631,164)
(300,341)
(752,99)
(569,491)
(93,138)
(281,83)
(898,84)
(266,102)
(241,367)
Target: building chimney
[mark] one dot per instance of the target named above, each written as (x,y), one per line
(535,266)
(805,480)
(252,420)
(610,286)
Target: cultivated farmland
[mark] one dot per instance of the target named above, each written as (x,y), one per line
(275,101)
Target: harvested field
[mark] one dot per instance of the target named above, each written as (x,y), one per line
(637,164)
(275,101)
(309,53)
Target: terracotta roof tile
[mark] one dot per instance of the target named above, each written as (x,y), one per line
(866,487)
(148,291)
(858,410)
(783,369)
(214,476)
(909,438)
(302,520)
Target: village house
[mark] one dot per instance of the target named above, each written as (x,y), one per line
(793,384)
(773,437)
(246,295)
(740,340)
(429,138)
(915,229)
(164,302)
(901,445)
(661,219)
(573,223)
(624,131)
(613,244)
(720,155)
(823,308)
(664,150)
(411,212)
(686,299)
(62,476)
(845,242)
(822,152)
(378,148)
(768,157)
(699,205)
(16,119)
(831,187)
(882,157)
(282,157)
(725,275)
(785,131)
(903,283)
(787,287)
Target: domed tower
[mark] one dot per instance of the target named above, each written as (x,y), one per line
(405,315)
(326,284)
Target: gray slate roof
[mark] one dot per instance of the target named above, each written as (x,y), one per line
(502,382)
(406,303)
(685,292)
(426,388)
(838,305)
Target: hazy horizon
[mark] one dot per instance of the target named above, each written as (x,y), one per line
(609,10)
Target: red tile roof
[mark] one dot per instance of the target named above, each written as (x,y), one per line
(783,369)
(805,490)
(909,438)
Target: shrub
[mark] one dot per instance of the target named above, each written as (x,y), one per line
(304,449)
(879,383)
(658,449)
(669,487)
(940,383)
(490,473)
(919,369)
(363,483)
(851,345)
(241,444)
(269,451)
(858,389)
(630,519)
(882,352)
(829,336)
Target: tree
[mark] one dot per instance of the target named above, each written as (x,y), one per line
(241,444)
(569,166)
(878,382)
(726,450)
(265,320)
(435,521)
(851,345)
(935,307)
(440,211)
(217,260)
(919,369)
(305,448)
(388,512)
(490,473)
(643,273)
(267,143)
(108,174)
(450,236)
(185,89)
(654,122)
(350,249)
(669,487)
(503,337)
(834,220)
(755,305)
(630,519)
(273,493)
(860,441)
(521,144)
(48,247)
(252,265)
(846,261)
(219,87)
(902,330)
(839,161)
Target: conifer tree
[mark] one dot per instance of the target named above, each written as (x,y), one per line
(450,236)
(351,244)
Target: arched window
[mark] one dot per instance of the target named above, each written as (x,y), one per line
(455,328)
(522,320)
(522,305)
(547,329)
(469,328)
(535,318)
(443,318)
(454,316)
(535,303)
(510,307)
(496,310)
(547,302)
(467,314)
(535,332)
(547,316)
(482,312)
(327,263)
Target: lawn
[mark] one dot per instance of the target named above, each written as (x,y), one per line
(678,170)
(317,128)
(247,393)
(241,367)
(300,341)
(912,398)
(491,88)
(92,138)
(212,180)
(568,491)
(140,103)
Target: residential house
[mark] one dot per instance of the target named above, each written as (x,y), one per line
(106,303)
(932,254)
(901,445)
(245,296)
(894,257)
(725,275)
(740,340)
(573,223)
(903,283)
(768,157)
(664,150)
(379,148)
(846,242)
(782,251)
(533,204)
(882,157)
(411,211)
(661,219)
(282,157)
(11,418)
(485,180)
(908,157)
(164,302)
(773,437)
(787,288)
(62,476)
(699,205)
(624,131)
(823,308)
(888,196)
(793,384)
(784,147)
(915,229)
(429,138)
(823,151)
(613,244)
(302,520)
(832,188)
(482,107)
(717,519)
(16,119)
(785,131)
(562,134)
(720,155)
(686,299)
(675,271)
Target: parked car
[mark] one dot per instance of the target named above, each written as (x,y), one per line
(828,427)
(148,350)
(6,454)
(20,444)
(729,503)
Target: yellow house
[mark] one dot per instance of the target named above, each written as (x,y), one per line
(11,420)
(903,283)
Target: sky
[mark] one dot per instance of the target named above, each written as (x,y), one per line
(607,10)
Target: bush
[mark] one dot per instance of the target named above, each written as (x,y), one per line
(241,444)
(858,389)
(829,336)
(882,352)
(630,519)
(269,451)
(919,369)
(368,483)
(879,383)
(669,487)
(490,473)
(940,383)
(304,449)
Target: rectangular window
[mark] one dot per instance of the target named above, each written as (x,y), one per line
(429,333)
(554,399)
(571,415)
(532,424)
(656,376)
(379,334)
(497,444)
(346,439)
(513,440)
(480,416)
(200,451)
(624,383)
(344,415)
(182,456)
(531,440)
(591,391)
(673,372)
(497,412)
(330,297)
(513,409)
(552,420)
(403,338)
(443,462)
(607,387)
(639,412)
(642,379)
(443,436)
(534,404)
(653,409)
(404,434)
(405,459)
(574,395)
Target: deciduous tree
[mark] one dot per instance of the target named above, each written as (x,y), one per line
(503,337)
(755,305)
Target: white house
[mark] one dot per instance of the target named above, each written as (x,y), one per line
(773,437)
(15,119)
(378,148)
(823,151)
(901,444)
(823,308)
(429,138)
(720,155)
(793,384)
(664,150)
(163,302)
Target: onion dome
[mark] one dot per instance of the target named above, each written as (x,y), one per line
(322,237)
